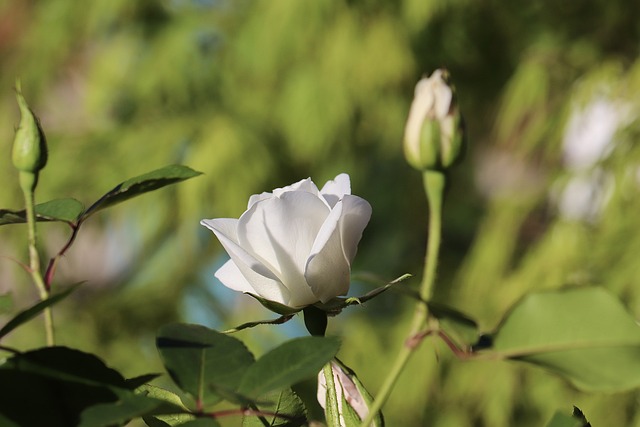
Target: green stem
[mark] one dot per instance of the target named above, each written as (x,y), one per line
(332,413)
(434,183)
(28,182)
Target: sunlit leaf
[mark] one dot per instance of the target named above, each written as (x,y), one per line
(167,396)
(287,364)
(285,403)
(31,312)
(201,360)
(63,210)
(142,184)
(584,334)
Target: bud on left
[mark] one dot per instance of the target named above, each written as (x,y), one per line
(29,145)
(434,137)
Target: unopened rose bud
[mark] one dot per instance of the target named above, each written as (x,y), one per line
(352,398)
(434,137)
(29,145)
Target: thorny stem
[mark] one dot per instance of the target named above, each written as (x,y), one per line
(27,184)
(434,183)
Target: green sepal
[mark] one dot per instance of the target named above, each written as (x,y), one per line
(29,152)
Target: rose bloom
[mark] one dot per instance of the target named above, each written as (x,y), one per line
(293,246)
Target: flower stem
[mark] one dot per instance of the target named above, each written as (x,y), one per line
(434,183)
(27,184)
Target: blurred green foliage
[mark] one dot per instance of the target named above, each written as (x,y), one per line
(259,94)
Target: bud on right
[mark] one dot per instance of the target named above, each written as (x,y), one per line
(434,137)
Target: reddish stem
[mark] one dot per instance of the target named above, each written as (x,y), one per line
(53,262)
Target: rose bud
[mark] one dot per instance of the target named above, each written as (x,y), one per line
(434,137)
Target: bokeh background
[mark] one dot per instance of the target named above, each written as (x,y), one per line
(258,94)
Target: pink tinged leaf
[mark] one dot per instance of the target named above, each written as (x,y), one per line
(259,277)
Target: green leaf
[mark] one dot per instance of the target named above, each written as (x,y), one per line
(287,364)
(201,360)
(63,210)
(36,400)
(31,312)
(334,306)
(6,303)
(458,326)
(276,307)
(66,364)
(277,321)
(563,420)
(127,407)
(142,184)
(167,396)
(584,334)
(140,381)
(156,422)
(201,422)
(284,402)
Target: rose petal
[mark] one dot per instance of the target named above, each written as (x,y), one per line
(335,189)
(328,267)
(231,276)
(260,276)
(305,185)
(280,232)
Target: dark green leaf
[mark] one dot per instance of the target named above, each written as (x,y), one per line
(287,364)
(64,210)
(458,326)
(155,422)
(127,407)
(201,422)
(167,396)
(585,335)
(6,422)
(31,312)
(136,382)
(66,364)
(201,360)
(285,403)
(142,184)
(36,400)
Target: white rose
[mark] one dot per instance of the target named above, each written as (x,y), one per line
(294,246)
